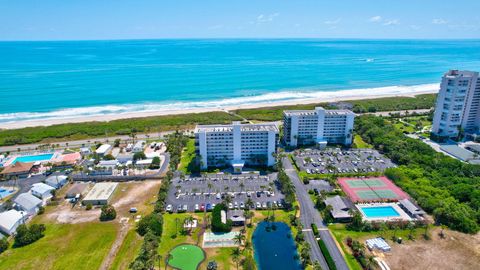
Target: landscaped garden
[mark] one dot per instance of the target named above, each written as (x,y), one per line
(186,257)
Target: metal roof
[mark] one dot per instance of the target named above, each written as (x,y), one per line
(27,201)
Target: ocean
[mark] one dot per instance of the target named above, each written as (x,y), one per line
(64,79)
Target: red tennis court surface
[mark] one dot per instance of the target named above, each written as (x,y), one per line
(371,189)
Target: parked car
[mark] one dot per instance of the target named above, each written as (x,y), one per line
(185,208)
(202,207)
(230,205)
(264,205)
(242,205)
(258,205)
(196,207)
(169,208)
(133,210)
(209,207)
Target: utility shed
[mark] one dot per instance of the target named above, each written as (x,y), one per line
(76,189)
(100,194)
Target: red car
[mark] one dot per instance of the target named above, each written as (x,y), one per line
(202,207)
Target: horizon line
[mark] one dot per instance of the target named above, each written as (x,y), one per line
(243,38)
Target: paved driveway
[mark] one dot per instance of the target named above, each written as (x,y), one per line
(309,215)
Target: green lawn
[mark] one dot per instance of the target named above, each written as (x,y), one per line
(128,251)
(188,157)
(65,246)
(186,257)
(360,143)
(168,240)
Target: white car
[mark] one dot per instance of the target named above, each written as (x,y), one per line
(236,205)
(169,208)
(242,205)
(230,206)
(258,205)
(196,207)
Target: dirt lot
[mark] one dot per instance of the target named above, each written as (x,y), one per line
(456,251)
(133,194)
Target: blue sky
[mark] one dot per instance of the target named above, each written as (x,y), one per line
(142,19)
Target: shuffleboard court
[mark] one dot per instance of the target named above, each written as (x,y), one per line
(186,257)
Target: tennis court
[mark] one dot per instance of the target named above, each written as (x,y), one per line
(371,189)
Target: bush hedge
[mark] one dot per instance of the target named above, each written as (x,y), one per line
(326,254)
(217,224)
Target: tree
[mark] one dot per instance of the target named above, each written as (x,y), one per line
(26,235)
(155,163)
(139,156)
(239,239)
(108,157)
(236,253)
(152,222)
(108,213)
(189,222)
(3,245)
(116,143)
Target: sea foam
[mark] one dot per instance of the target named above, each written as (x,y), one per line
(272,98)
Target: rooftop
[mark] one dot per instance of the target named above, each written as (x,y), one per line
(103,148)
(27,201)
(41,188)
(101,191)
(18,167)
(314,112)
(243,127)
(9,218)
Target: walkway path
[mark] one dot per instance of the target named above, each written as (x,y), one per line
(309,215)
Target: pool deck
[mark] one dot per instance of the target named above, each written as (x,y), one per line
(400,211)
(11,159)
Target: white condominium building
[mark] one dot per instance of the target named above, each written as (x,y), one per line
(319,126)
(236,144)
(457,107)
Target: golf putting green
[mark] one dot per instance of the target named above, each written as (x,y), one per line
(186,257)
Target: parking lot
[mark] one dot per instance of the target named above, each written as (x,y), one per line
(331,161)
(203,193)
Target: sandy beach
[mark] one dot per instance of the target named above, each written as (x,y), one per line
(327,97)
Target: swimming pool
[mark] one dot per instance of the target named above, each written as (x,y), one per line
(379,212)
(4,193)
(33,158)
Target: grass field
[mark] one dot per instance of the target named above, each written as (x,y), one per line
(187,159)
(186,257)
(66,246)
(360,143)
(127,252)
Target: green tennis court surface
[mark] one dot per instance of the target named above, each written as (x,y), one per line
(386,194)
(186,257)
(366,194)
(374,182)
(356,184)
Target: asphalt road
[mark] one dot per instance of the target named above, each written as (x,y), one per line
(309,215)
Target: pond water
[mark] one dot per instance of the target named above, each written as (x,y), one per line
(274,247)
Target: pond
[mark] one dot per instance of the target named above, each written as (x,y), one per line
(274,247)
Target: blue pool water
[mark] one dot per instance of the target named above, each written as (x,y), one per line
(379,212)
(33,158)
(274,247)
(4,193)
(62,79)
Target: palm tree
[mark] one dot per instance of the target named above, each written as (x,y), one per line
(247,245)
(249,203)
(248,215)
(236,256)
(189,222)
(239,238)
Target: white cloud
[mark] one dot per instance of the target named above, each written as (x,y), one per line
(262,18)
(391,22)
(439,21)
(376,19)
(333,22)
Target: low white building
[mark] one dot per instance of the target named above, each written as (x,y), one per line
(28,203)
(144,163)
(108,164)
(104,149)
(100,194)
(139,146)
(85,151)
(56,181)
(10,220)
(124,158)
(319,126)
(236,144)
(42,191)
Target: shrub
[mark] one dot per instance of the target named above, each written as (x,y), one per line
(89,206)
(217,224)
(155,163)
(152,222)
(41,210)
(3,245)
(27,235)
(326,254)
(108,157)
(314,229)
(108,213)
(139,156)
